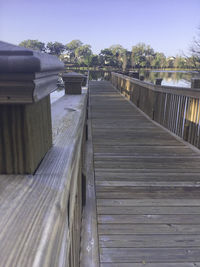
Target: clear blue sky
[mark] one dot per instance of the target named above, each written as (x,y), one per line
(167,25)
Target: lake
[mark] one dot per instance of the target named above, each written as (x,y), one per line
(170,77)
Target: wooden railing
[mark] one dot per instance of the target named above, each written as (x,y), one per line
(42,149)
(176,108)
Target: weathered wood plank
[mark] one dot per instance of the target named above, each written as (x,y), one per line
(150,218)
(120,150)
(148,202)
(121,182)
(138,255)
(148,170)
(146,241)
(146,264)
(102,175)
(148,163)
(148,229)
(148,192)
(123,210)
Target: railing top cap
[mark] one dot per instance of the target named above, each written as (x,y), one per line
(15,59)
(73,74)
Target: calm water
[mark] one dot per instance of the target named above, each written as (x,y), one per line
(170,78)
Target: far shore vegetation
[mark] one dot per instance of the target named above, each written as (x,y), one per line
(75,54)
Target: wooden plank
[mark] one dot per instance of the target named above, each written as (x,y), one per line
(148,229)
(120,150)
(159,255)
(147,176)
(150,182)
(170,171)
(150,218)
(148,192)
(146,264)
(148,202)
(146,241)
(148,163)
(123,210)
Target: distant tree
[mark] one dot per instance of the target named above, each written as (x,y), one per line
(119,55)
(159,61)
(191,62)
(107,58)
(33,44)
(170,62)
(73,45)
(55,48)
(116,49)
(83,53)
(124,62)
(149,55)
(93,61)
(180,62)
(71,48)
(195,51)
(142,55)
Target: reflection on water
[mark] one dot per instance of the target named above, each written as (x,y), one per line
(170,78)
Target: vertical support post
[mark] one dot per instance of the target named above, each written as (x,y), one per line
(195,83)
(27,78)
(194,125)
(73,82)
(158,81)
(134,74)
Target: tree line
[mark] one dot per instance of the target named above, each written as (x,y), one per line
(75,53)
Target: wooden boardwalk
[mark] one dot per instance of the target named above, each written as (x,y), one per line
(147,187)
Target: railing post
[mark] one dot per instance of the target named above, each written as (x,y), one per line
(158,81)
(195,83)
(27,78)
(134,74)
(192,129)
(73,82)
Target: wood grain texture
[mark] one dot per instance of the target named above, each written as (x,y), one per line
(25,136)
(89,237)
(40,214)
(145,264)
(147,184)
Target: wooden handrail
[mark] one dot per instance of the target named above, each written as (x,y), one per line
(185,91)
(176,108)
